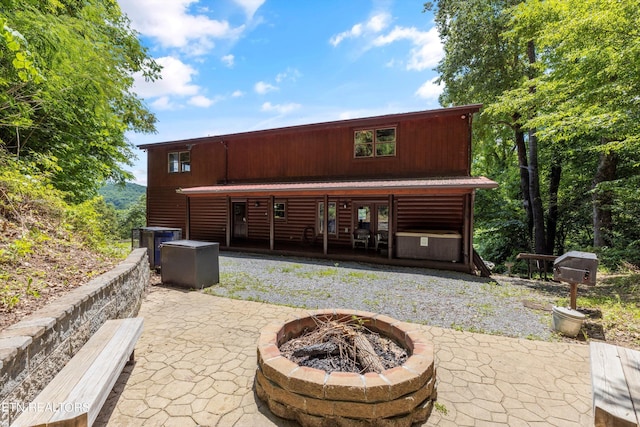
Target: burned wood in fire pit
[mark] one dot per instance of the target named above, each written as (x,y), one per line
(345,346)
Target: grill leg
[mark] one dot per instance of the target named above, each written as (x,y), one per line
(574,295)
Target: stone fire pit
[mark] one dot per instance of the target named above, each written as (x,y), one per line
(399,396)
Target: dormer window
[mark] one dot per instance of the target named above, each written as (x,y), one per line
(375,142)
(179,161)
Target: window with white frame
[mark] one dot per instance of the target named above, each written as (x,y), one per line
(279,210)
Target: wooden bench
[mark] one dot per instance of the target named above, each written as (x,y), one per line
(615,379)
(537,258)
(76,394)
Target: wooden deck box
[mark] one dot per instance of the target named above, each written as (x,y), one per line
(437,245)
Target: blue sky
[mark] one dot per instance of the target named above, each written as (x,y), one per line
(240,65)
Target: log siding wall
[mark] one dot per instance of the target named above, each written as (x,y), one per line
(428,144)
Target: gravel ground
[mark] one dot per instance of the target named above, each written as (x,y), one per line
(431,297)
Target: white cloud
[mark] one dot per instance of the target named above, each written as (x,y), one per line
(263,87)
(164,103)
(228,60)
(176,80)
(201,101)
(426,51)
(280,108)
(355,31)
(237,94)
(378,22)
(375,24)
(172,25)
(291,74)
(250,6)
(430,89)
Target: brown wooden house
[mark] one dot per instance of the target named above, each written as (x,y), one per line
(395,189)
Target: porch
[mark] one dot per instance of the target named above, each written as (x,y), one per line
(338,253)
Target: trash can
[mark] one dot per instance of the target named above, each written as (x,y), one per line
(189,263)
(567,321)
(152,237)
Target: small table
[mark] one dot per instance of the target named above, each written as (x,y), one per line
(537,258)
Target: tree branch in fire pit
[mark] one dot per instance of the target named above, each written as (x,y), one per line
(344,345)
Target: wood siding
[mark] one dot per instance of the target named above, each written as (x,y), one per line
(166,208)
(426,146)
(429,144)
(208,219)
(431,213)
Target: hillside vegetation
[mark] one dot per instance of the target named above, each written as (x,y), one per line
(122,196)
(47,246)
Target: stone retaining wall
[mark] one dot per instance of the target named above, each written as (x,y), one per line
(34,350)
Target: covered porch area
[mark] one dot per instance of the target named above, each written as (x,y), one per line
(354,220)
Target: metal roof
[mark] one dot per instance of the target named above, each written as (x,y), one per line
(368,187)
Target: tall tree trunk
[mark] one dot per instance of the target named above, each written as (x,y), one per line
(534,176)
(536,200)
(523,165)
(603,200)
(552,215)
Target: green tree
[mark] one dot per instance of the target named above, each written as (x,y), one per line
(586,101)
(478,67)
(560,82)
(133,217)
(73,120)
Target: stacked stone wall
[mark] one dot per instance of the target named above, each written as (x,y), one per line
(35,349)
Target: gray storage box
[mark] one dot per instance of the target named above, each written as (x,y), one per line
(152,237)
(432,244)
(190,263)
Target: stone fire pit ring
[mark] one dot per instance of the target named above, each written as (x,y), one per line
(398,396)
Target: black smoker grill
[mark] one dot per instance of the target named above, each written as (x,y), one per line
(576,268)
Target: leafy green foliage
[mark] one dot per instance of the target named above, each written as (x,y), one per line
(122,196)
(65,77)
(129,202)
(133,217)
(47,244)
(564,73)
(28,198)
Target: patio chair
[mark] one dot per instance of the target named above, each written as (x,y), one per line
(361,237)
(382,239)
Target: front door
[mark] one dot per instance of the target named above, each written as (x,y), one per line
(239,220)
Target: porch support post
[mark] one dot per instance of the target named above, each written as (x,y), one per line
(187,232)
(391,228)
(272,224)
(325,225)
(472,201)
(228,230)
(467,245)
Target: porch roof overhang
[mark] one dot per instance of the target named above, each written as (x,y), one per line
(448,185)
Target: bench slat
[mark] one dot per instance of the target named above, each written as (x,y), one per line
(99,379)
(612,404)
(630,360)
(86,380)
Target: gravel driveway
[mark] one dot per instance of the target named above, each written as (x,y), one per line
(431,297)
